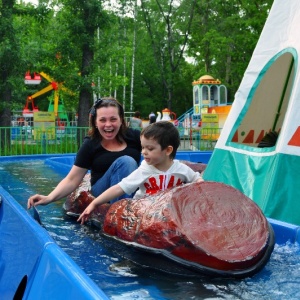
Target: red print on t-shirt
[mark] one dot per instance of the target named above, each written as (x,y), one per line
(157,183)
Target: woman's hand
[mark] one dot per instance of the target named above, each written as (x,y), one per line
(63,189)
(38,200)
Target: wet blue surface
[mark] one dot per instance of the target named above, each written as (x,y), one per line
(104,261)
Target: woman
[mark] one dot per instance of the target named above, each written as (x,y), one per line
(111,151)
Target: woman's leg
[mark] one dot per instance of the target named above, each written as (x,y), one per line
(120,168)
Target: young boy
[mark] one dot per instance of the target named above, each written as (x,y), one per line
(157,172)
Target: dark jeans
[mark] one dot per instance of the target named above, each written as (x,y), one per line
(120,168)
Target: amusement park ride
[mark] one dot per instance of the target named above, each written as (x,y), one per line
(209,112)
(210,101)
(55,106)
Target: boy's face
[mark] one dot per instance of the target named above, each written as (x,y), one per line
(152,152)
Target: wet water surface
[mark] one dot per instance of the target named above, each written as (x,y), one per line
(105,261)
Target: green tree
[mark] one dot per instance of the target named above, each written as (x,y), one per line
(8,57)
(168,25)
(157,54)
(11,60)
(224,35)
(83,20)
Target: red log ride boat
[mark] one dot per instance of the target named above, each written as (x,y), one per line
(206,228)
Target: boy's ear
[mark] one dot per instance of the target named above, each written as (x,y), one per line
(169,150)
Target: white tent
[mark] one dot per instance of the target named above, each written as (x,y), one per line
(268,99)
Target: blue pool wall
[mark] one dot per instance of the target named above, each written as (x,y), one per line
(34,266)
(63,163)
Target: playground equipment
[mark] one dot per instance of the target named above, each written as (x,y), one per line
(167,115)
(208,92)
(209,112)
(55,106)
(210,101)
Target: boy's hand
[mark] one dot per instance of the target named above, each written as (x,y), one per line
(86,214)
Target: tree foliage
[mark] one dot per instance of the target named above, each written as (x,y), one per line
(100,48)
(224,36)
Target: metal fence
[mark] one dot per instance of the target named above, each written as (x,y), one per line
(198,139)
(28,140)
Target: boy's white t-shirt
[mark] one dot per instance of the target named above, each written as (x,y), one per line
(149,180)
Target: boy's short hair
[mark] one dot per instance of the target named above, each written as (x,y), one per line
(165,133)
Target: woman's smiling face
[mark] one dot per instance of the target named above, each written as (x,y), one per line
(108,122)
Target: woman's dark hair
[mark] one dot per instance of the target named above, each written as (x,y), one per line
(165,133)
(107,102)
